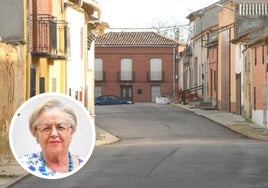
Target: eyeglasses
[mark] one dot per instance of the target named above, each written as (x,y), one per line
(46,128)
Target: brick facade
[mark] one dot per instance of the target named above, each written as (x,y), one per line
(258,71)
(141,56)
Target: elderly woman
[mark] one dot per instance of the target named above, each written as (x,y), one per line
(52,124)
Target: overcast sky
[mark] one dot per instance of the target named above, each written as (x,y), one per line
(148,13)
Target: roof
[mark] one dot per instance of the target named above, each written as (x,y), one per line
(134,39)
(193,15)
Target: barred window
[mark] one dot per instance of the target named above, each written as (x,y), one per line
(156,69)
(126,69)
(98,66)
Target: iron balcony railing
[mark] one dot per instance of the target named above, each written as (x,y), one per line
(188,91)
(100,76)
(126,76)
(48,35)
(155,76)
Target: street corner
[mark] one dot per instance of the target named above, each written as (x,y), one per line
(103,137)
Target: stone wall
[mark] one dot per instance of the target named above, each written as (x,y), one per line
(12,85)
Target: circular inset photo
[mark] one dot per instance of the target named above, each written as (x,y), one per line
(52,135)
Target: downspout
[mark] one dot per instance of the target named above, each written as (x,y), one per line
(265,93)
(217,76)
(28,52)
(230,59)
(173,69)
(265,101)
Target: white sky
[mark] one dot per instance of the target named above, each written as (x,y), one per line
(148,13)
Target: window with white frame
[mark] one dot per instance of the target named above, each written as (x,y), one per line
(126,69)
(97,91)
(98,69)
(156,69)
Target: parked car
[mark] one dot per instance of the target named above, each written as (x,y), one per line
(111,99)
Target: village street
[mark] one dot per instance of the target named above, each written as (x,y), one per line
(166,146)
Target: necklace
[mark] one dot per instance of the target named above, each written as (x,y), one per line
(43,167)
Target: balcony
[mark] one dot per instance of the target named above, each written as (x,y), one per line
(48,36)
(99,76)
(126,76)
(155,76)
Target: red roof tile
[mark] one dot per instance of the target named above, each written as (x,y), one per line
(134,39)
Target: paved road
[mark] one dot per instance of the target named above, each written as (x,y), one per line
(166,146)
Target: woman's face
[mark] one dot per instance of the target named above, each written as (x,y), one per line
(54,134)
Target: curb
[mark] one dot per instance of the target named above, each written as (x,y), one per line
(102,138)
(232,121)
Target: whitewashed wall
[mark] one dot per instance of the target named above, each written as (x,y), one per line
(77,56)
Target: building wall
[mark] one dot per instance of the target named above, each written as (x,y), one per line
(239,71)
(212,75)
(41,6)
(232,74)
(140,66)
(226,64)
(247,20)
(77,55)
(258,70)
(259,78)
(198,73)
(246,108)
(205,21)
(51,70)
(90,102)
(14,29)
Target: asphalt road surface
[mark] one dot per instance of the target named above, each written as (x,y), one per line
(163,146)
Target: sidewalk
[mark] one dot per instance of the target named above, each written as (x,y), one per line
(11,172)
(232,121)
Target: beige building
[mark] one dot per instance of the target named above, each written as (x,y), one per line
(226,60)
(61,47)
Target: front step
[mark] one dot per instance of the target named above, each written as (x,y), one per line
(202,105)
(207,106)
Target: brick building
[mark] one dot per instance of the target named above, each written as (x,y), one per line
(136,65)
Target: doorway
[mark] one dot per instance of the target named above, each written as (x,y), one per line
(155,91)
(126,92)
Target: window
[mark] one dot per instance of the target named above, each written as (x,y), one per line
(67,41)
(53,34)
(263,54)
(126,69)
(98,69)
(54,84)
(97,91)
(255,58)
(155,69)
(215,81)
(254,98)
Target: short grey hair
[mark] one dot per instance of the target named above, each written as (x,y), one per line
(48,105)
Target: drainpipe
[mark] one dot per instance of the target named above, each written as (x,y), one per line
(174,72)
(28,52)
(265,95)
(265,102)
